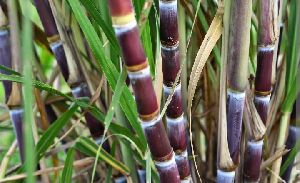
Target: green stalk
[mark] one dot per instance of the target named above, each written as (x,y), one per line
(27,54)
(182,52)
(284,123)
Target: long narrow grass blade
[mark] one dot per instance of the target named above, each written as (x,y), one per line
(115,128)
(293,54)
(112,153)
(96,15)
(68,168)
(89,148)
(111,111)
(48,137)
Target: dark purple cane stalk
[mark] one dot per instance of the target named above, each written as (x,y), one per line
(225,177)
(263,84)
(142,175)
(135,60)
(96,129)
(237,57)
(253,158)
(293,138)
(266,45)
(5,59)
(16,116)
(121,179)
(235,106)
(78,87)
(263,81)
(51,115)
(176,123)
(50,29)
(11,99)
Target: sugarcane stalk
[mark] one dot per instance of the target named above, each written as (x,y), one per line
(237,58)
(225,176)
(12,90)
(176,123)
(68,70)
(16,116)
(121,179)
(293,137)
(142,175)
(252,161)
(263,83)
(53,37)
(51,115)
(254,147)
(266,45)
(126,30)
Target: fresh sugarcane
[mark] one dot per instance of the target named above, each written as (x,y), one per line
(170,65)
(263,83)
(12,90)
(292,139)
(266,45)
(252,160)
(256,131)
(125,26)
(235,52)
(70,71)
(142,175)
(237,57)
(51,115)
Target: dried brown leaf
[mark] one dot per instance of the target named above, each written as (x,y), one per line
(255,126)
(158,82)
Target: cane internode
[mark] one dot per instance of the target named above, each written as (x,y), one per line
(135,61)
(12,90)
(176,124)
(78,87)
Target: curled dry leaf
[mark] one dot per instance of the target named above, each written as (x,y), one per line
(210,40)
(213,34)
(254,124)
